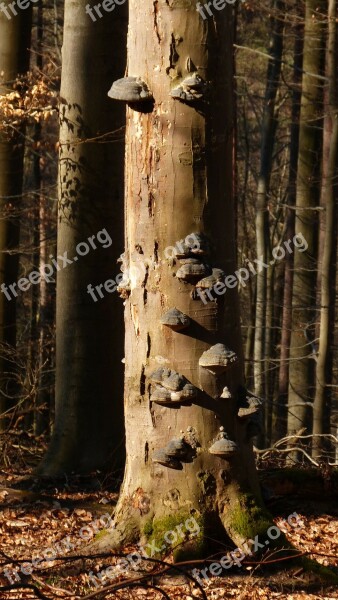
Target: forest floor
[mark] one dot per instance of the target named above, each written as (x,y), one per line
(52,519)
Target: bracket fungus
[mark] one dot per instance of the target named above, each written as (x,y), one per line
(160,395)
(190,272)
(223,446)
(217,359)
(178,448)
(191,89)
(250,409)
(249,404)
(209,282)
(185,395)
(174,382)
(160,374)
(162,458)
(175,320)
(132,90)
(194,244)
(171,388)
(226,394)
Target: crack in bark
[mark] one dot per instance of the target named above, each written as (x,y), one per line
(142,382)
(155,4)
(173,55)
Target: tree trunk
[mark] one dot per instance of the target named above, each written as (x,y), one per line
(262,214)
(15,34)
(179,182)
(307,199)
(280,414)
(329,195)
(89,346)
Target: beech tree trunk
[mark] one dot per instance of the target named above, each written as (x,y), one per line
(301,370)
(263,312)
(179,167)
(280,412)
(14,60)
(89,341)
(328,239)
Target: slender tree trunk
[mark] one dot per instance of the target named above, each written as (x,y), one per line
(14,60)
(89,347)
(307,199)
(280,414)
(262,215)
(45,290)
(179,182)
(329,196)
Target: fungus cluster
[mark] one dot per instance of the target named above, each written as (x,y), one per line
(217,275)
(174,453)
(249,412)
(192,89)
(171,387)
(191,255)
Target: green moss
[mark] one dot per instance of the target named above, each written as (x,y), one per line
(249,519)
(148,528)
(325,574)
(101,534)
(181,533)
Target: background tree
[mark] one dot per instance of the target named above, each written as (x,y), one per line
(328,240)
(15,32)
(89,349)
(301,370)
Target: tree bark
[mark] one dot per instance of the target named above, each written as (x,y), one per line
(262,214)
(329,196)
(14,60)
(301,368)
(179,181)
(280,414)
(88,432)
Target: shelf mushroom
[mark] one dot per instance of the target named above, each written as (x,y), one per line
(175,320)
(177,448)
(162,458)
(185,395)
(191,89)
(160,395)
(174,382)
(249,404)
(194,245)
(160,374)
(223,446)
(171,388)
(226,394)
(192,270)
(209,282)
(217,359)
(132,90)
